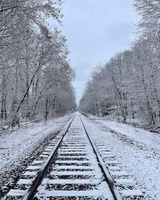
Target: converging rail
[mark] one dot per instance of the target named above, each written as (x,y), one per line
(71,167)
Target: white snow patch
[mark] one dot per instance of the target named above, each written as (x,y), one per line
(148,138)
(15,146)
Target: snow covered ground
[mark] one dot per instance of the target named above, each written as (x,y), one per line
(24,144)
(137,151)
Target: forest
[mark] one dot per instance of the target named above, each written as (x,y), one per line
(35,74)
(108,146)
(127,87)
(36,77)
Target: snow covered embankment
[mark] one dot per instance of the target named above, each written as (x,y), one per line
(19,147)
(137,151)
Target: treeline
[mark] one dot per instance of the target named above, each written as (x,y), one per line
(35,76)
(128,86)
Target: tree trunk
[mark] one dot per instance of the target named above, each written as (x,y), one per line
(46,110)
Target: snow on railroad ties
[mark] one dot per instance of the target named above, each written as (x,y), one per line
(136,150)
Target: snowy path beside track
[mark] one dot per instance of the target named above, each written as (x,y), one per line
(15,147)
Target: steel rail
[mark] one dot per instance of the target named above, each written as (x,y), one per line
(107,176)
(38,179)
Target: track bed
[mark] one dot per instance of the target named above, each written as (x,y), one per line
(74,167)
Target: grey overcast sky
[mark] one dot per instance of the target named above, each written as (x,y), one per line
(96,30)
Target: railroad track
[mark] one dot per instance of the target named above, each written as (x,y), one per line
(74,167)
